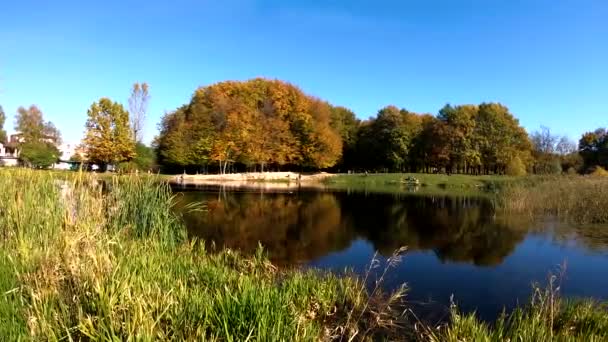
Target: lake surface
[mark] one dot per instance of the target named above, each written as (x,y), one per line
(457,246)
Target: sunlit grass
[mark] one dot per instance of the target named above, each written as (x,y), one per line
(82,258)
(546,318)
(581,199)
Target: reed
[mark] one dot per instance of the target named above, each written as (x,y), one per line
(547,317)
(107,259)
(580,199)
(84,258)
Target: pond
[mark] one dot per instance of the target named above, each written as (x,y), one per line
(456,246)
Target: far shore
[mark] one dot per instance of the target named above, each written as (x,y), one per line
(289,178)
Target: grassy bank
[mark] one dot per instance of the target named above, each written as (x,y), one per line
(428,183)
(86,260)
(580,199)
(546,318)
(81,259)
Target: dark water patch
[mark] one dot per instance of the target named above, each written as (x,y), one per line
(456,245)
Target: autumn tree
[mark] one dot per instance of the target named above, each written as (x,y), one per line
(108,138)
(3,137)
(138,109)
(460,125)
(466,138)
(499,137)
(39,139)
(345,123)
(249,124)
(593,148)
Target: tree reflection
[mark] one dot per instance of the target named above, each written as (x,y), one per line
(294,228)
(298,227)
(462,229)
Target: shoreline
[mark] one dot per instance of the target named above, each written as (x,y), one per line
(251,177)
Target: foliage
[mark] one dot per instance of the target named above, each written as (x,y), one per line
(516,167)
(145,158)
(553,154)
(258,122)
(599,172)
(138,108)
(39,154)
(469,139)
(262,123)
(108,138)
(30,123)
(38,141)
(3,137)
(345,123)
(593,148)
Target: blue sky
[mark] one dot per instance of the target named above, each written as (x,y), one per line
(545,59)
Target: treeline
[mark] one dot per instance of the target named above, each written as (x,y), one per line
(270,125)
(261,124)
(483,138)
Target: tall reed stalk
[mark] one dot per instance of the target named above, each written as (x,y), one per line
(581,199)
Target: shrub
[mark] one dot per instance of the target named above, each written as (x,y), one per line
(599,171)
(516,167)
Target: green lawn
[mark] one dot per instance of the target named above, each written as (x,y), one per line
(428,183)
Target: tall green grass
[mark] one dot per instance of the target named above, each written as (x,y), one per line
(83,258)
(107,259)
(546,318)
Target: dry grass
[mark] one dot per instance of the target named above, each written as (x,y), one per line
(581,199)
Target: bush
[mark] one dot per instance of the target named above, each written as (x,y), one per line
(599,171)
(516,167)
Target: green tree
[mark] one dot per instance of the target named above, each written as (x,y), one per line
(3,137)
(30,123)
(346,124)
(39,154)
(108,138)
(145,158)
(593,147)
(39,139)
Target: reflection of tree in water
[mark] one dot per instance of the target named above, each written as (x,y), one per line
(293,228)
(592,237)
(298,227)
(456,228)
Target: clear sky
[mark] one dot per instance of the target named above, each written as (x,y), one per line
(545,59)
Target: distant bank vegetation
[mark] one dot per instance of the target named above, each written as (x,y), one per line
(263,124)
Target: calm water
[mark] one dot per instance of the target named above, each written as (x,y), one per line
(456,245)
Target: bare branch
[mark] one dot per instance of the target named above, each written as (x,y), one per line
(138,109)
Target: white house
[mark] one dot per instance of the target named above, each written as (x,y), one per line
(67,152)
(9,153)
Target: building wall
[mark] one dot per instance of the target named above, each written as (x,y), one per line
(4,161)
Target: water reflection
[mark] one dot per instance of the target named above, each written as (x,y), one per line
(301,226)
(457,245)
